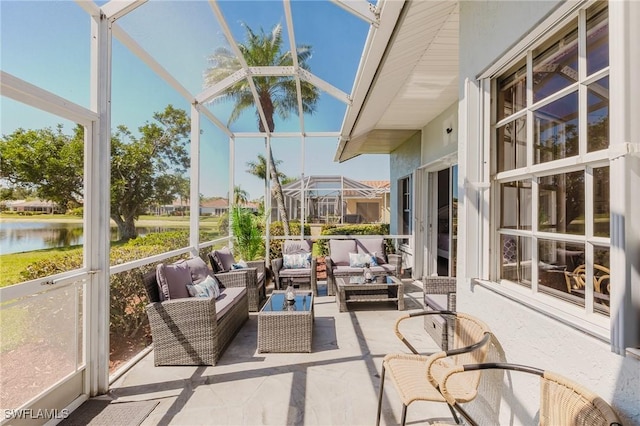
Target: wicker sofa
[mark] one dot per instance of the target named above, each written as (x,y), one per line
(193,330)
(338,261)
(439,295)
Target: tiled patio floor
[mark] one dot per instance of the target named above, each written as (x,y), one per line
(336,384)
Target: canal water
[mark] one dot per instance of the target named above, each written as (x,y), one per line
(21,236)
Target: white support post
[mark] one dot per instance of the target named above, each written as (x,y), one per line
(267,201)
(303,217)
(194,216)
(232,184)
(97,209)
(624,176)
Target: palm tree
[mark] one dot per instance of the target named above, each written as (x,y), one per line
(240,196)
(277,94)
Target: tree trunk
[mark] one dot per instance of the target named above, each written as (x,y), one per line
(126,227)
(277,192)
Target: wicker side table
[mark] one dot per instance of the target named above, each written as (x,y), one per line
(283,328)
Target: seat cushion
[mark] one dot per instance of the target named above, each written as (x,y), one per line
(437,302)
(371,246)
(296,246)
(173,280)
(223,260)
(226,300)
(301,272)
(199,270)
(339,251)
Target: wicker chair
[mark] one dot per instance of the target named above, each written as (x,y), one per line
(253,278)
(562,401)
(189,331)
(417,377)
(439,295)
(301,276)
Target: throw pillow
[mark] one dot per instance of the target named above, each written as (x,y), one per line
(359,260)
(172,280)
(240,265)
(296,261)
(207,288)
(224,259)
(199,270)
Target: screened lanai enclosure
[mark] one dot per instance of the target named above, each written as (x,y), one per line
(336,199)
(129,104)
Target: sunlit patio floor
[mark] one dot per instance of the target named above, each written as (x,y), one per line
(336,384)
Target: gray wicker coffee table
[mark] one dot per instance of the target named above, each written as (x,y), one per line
(285,328)
(385,288)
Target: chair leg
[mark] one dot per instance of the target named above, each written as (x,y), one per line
(404,415)
(453,413)
(380,395)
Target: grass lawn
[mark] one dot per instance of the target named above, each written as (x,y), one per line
(12,264)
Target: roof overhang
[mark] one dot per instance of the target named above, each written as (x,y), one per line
(407,76)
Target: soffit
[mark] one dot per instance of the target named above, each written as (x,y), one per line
(415,81)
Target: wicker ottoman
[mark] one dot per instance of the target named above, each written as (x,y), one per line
(284,328)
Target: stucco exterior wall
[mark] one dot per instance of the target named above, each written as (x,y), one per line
(436,142)
(402,162)
(527,336)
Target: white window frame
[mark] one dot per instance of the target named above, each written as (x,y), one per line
(583,318)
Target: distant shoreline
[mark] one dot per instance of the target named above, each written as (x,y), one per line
(141,222)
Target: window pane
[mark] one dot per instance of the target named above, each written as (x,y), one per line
(556,129)
(597,40)
(601,280)
(516,205)
(561,203)
(512,93)
(557,262)
(601,202)
(512,145)
(555,67)
(598,115)
(516,259)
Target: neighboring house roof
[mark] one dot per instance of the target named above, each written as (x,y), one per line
(30,203)
(216,203)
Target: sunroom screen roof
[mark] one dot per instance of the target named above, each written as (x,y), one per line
(323,186)
(177,40)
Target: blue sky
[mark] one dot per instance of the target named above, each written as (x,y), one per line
(46,43)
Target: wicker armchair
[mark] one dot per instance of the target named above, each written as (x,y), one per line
(253,278)
(298,276)
(189,331)
(417,377)
(562,401)
(439,295)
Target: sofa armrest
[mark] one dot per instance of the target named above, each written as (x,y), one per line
(246,277)
(396,261)
(258,264)
(441,285)
(276,265)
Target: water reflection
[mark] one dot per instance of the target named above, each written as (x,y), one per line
(24,236)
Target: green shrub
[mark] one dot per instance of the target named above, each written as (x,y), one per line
(247,235)
(366,229)
(78,211)
(276,229)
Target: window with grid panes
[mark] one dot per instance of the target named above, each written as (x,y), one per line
(550,172)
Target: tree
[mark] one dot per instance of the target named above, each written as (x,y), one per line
(144,170)
(240,196)
(277,94)
(148,169)
(46,162)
